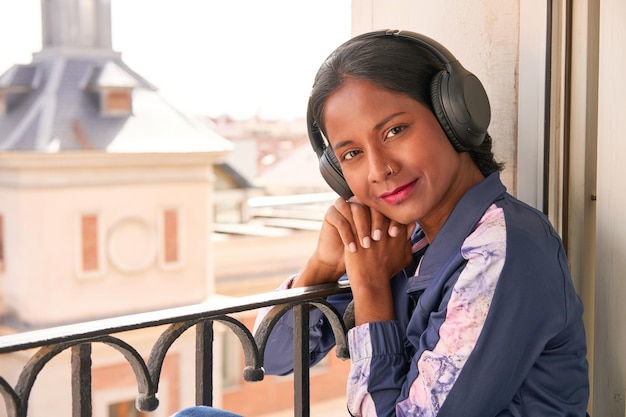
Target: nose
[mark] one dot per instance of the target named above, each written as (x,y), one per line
(380,167)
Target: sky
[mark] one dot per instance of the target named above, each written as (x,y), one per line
(215,57)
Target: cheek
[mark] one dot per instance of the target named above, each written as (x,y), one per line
(357,182)
(442,160)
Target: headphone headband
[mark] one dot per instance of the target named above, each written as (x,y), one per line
(440,51)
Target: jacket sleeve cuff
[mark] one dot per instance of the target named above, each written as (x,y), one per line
(374,339)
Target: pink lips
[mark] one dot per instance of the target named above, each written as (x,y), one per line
(399,194)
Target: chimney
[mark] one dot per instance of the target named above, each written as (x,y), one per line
(76,27)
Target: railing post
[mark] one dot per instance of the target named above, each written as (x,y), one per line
(81,380)
(204,363)
(301,361)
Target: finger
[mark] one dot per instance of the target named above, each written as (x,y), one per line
(378,223)
(394,228)
(361,221)
(340,216)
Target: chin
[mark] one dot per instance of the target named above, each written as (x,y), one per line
(404,216)
(399,214)
(400,218)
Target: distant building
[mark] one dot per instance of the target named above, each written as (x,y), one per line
(106,205)
(108,197)
(295,173)
(275,154)
(80,133)
(271,158)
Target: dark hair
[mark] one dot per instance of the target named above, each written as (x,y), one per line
(396,64)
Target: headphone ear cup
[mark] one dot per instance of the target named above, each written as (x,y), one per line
(331,172)
(440,111)
(328,163)
(461,105)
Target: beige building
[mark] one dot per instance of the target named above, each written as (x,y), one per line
(106,206)
(108,197)
(104,186)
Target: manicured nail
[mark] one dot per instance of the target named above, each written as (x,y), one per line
(366,242)
(393,232)
(377,234)
(352,247)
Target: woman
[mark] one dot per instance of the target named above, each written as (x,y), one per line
(463,301)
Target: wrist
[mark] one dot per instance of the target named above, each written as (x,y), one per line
(315,273)
(372,304)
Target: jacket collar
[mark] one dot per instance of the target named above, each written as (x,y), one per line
(461,222)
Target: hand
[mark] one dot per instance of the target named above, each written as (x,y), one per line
(327,263)
(350,227)
(372,267)
(374,261)
(360,225)
(345,225)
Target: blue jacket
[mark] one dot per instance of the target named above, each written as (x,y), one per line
(487,323)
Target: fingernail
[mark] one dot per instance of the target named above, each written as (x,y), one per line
(352,247)
(377,234)
(393,232)
(366,242)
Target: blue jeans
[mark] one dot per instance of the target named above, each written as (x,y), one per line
(204,411)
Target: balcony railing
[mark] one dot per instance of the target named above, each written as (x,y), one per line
(80,337)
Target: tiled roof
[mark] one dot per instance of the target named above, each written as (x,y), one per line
(57,109)
(110,75)
(20,78)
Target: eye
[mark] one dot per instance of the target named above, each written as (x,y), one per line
(394,131)
(349,155)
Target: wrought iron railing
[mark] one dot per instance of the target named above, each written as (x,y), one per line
(80,337)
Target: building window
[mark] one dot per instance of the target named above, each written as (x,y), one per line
(2,259)
(170,236)
(117,101)
(89,246)
(125,409)
(3,104)
(170,223)
(89,238)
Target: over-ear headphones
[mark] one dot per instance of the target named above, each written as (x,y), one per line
(459,101)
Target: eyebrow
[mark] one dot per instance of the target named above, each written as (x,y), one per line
(376,127)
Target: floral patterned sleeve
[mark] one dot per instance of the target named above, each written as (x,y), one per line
(384,382)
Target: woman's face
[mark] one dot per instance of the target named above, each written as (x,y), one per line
(394,154)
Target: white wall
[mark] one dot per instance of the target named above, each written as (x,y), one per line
(610,307)
(483,36)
